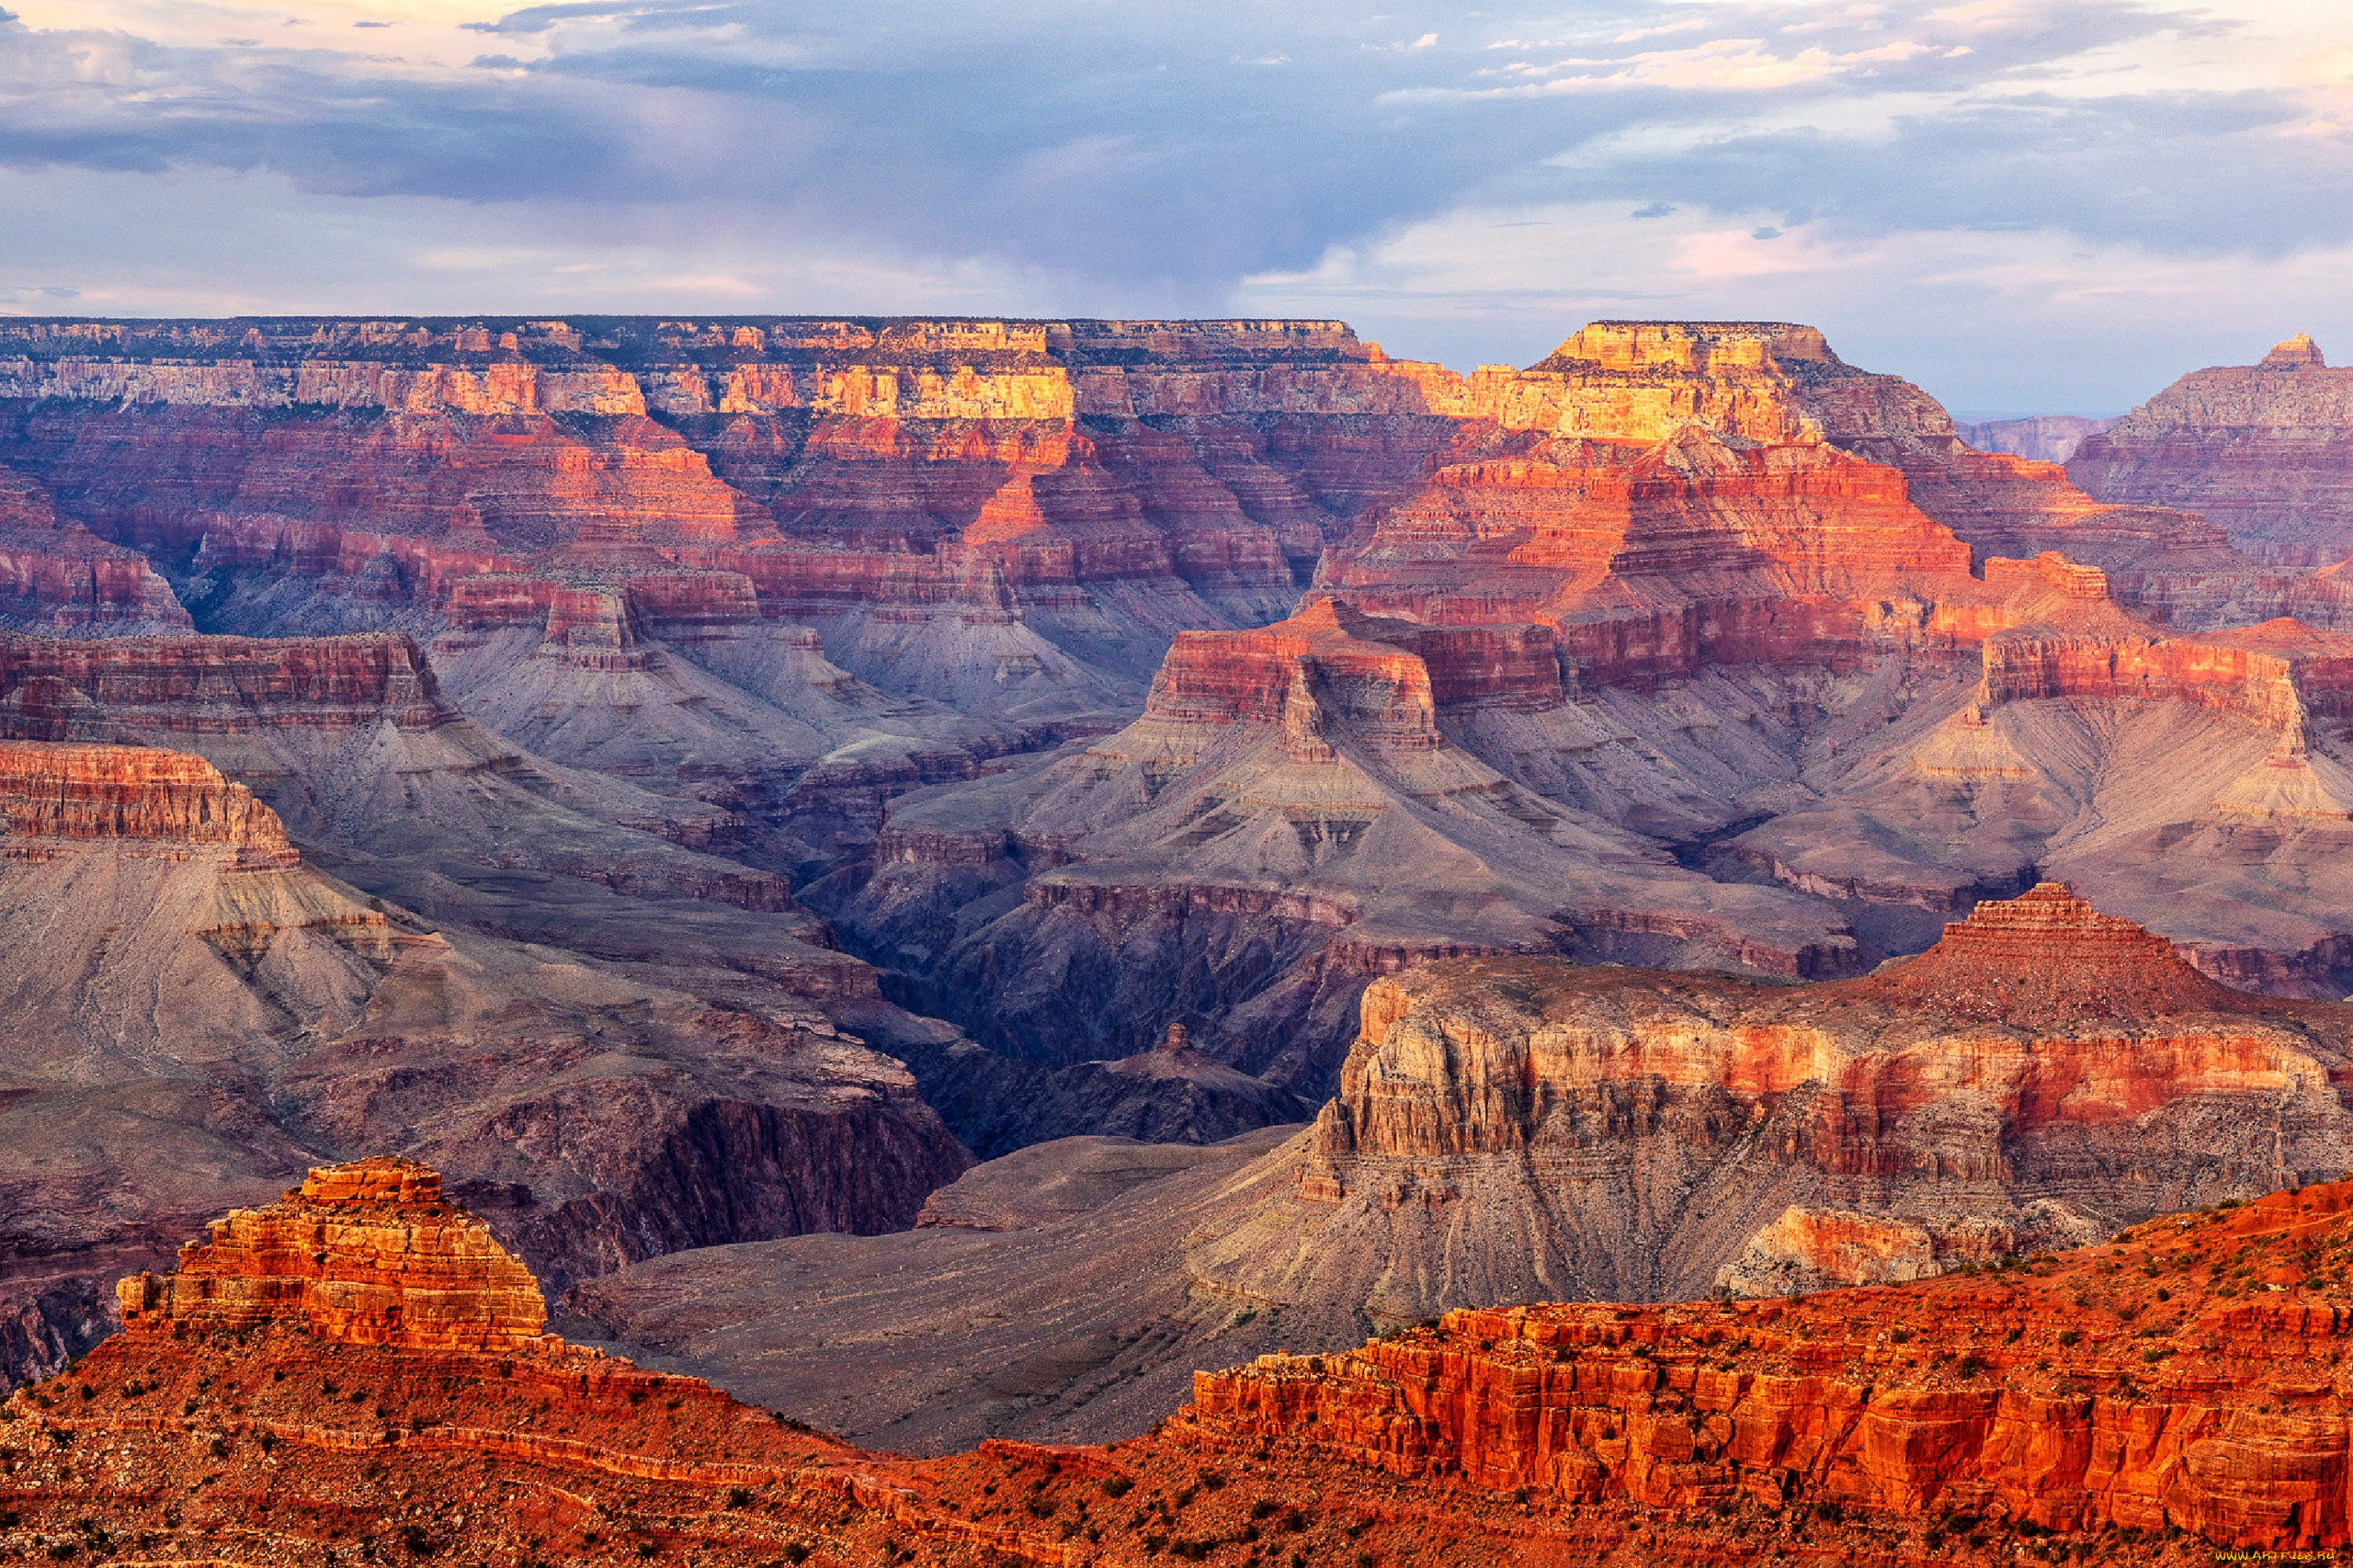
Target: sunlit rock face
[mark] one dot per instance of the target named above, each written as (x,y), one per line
(1510,1129)
(2159,1385)
(1012,515)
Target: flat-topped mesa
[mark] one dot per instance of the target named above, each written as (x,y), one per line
(54,689)
(368,1253)
(1692,346)
(85,791)
(2047,956)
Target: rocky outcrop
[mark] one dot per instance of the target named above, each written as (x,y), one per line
(125,792)
(1777,382)
(2129,761)
(2171,1384)
(353,741)
(2266,451)
(1512,1129)
(194,1010)
(367,1252)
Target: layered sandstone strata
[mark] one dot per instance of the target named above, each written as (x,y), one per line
(59,577)
(126,792)
(2265,451)
(1043,502)
(368,1253)
(2176,1383)
(1512,1129)
(1777,382)
(2150,1401)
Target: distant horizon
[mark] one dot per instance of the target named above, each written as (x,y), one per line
(1962,414)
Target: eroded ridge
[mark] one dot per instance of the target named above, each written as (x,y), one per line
(2185,1380)
(2147,1400)
(134,795)
(367,1252)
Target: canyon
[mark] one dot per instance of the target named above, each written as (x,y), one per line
(361,1367)
(705,785)
(2259,449)
(196,1010)
(1516,1128)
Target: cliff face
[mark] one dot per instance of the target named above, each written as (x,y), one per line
(117,793)
(2264,450)
(1045,502)
(1518,1129)
(194,1010)
(2175,1382)
(1292,814)
(2153,1401)
(1777,382)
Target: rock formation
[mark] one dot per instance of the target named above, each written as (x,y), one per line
(2152,1400)
(2132,763)
(1674,581)
(2265,451)
(368,1253)
(195,1011)
(1289,817)
(2181,1382)
(1511,1130)
(1036,504)
(1521,1128)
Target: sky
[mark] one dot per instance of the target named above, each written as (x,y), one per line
(2024,205)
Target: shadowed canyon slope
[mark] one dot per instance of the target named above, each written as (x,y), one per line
(1698,647)
(1518,1129)
(361,1366)
(193,1012)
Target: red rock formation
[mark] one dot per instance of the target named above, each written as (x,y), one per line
(2047,958)
(2274,675)
(1777,382)
(63,578)
(335,473)
(51,689)
(1514,1128)
(2112,1399)
(2266,451)
(130,792)
(367,1252)
(2174,1382)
